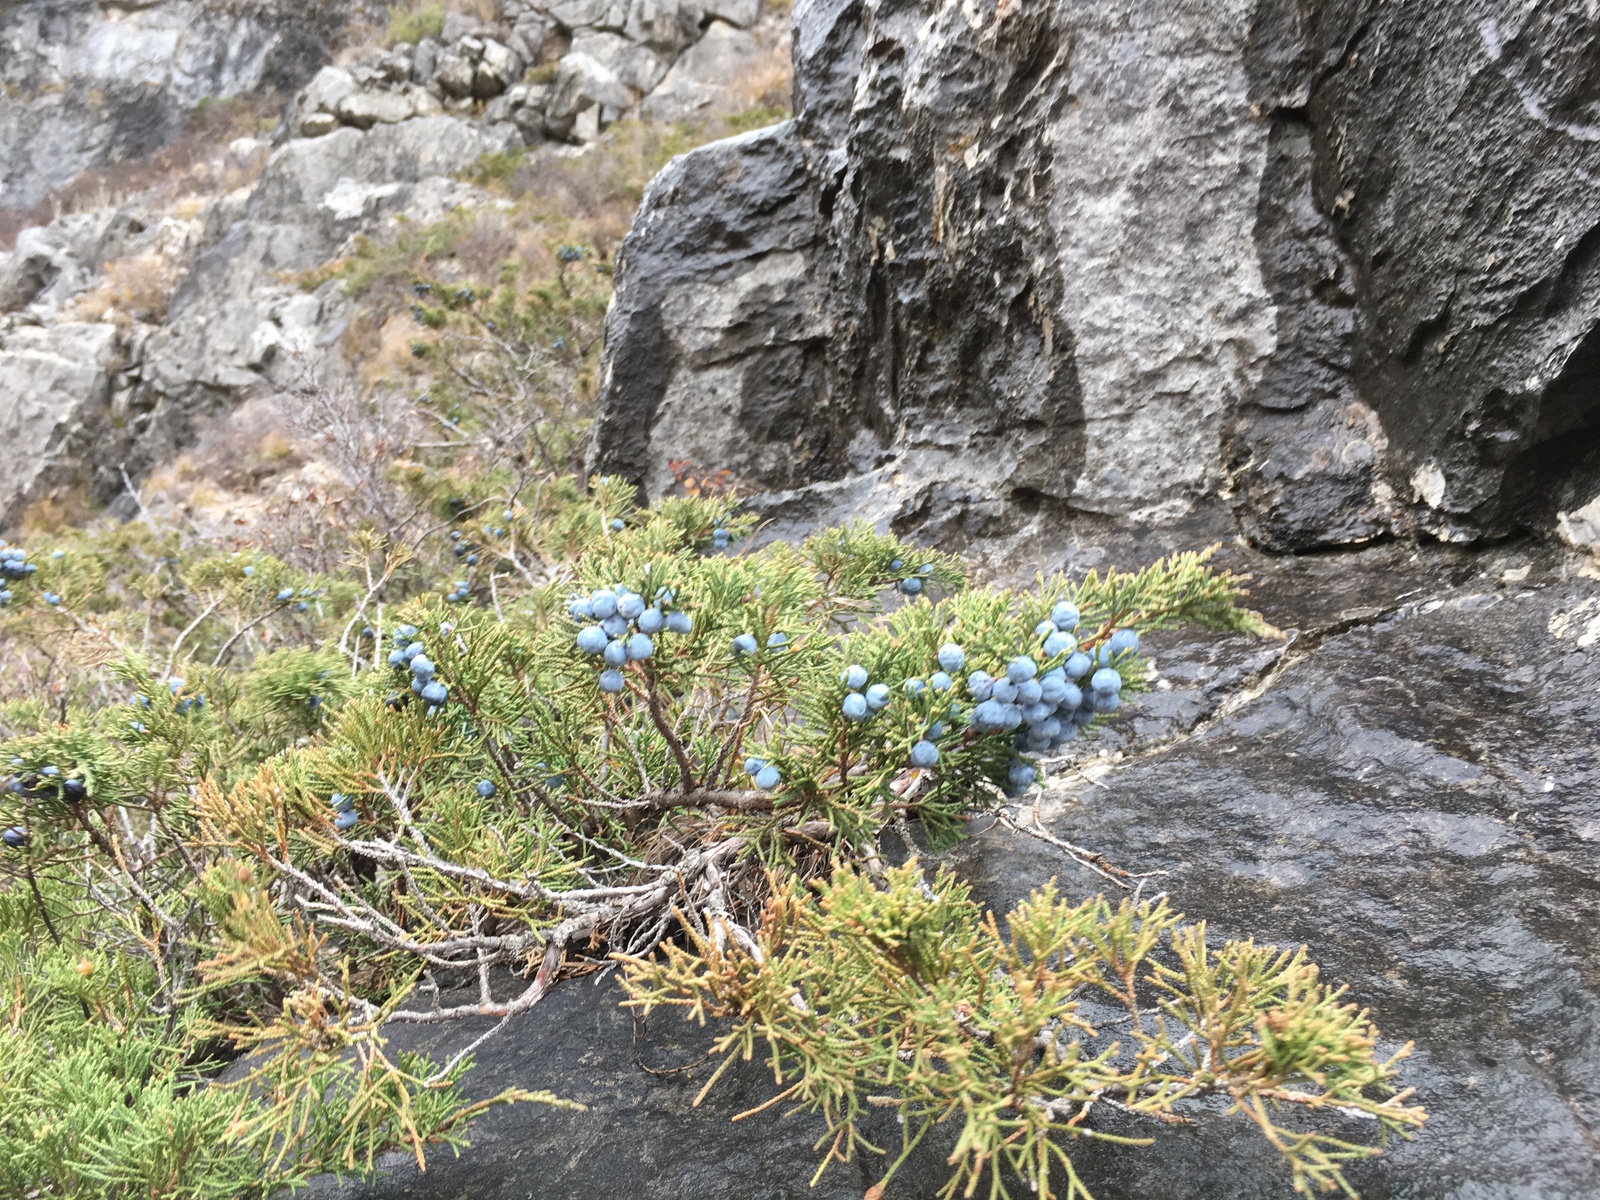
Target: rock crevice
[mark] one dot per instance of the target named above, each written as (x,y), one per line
(1327,261)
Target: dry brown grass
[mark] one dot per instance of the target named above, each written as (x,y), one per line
(767,80)
(136,288)
(65,506)
(194,164)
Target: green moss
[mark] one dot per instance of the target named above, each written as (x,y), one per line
(413,24)
(759,118)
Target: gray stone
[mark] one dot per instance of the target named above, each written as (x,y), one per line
(666,26)
(529,37)
(736,12)
(87,84)
(366,109)
(1581,529)
(321,97)
(498,67)
(700,79)
(454,74)
(635,65)
(316,124)
(717,324)
(584,86)
(396,66)
(458,25)
(573,15)
(52,263)
(57,380)
(425,60)
(523,104)
(1129,258)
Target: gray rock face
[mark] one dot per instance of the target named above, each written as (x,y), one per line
(58,381)
(233,327)
(700,77)
(1414,797)
(1120,257)
(52,263)
(1426,827)
(716,329)
(88,84)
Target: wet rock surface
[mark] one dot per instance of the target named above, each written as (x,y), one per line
(1407,782)
(1414,795)
(1332,260)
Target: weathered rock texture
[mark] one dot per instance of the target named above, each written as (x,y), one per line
(88,84)
(362,149)
(593,62)
(1332,260)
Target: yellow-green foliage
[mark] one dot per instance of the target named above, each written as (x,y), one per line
(412,24)
(255,816)
(899,992)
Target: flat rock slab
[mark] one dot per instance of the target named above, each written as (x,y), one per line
(1409,785)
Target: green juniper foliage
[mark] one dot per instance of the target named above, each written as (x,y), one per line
(257,813)
(898,992)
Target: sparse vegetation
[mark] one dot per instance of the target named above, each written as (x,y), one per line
(412,24)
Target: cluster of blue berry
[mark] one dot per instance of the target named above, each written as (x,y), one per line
(49,782)
(745,644)
(499,531)
(1047,709)
(408,654)
(765,775)
(720,538)
(285,595)
(14,564)
(345,815)
(951,658)
(862,699)
(911,584)
(623,626)
(467,551)
(183,704)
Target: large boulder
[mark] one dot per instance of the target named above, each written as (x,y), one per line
(59,382)
(636,66)
(718,326)
(701,77)
(1130,258)
(586,97)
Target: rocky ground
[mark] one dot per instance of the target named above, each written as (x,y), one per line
(153,286)
(1320,272)
(1405,782)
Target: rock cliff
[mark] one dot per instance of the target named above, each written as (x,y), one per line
(90,83)
(1328,261)
(379,141)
